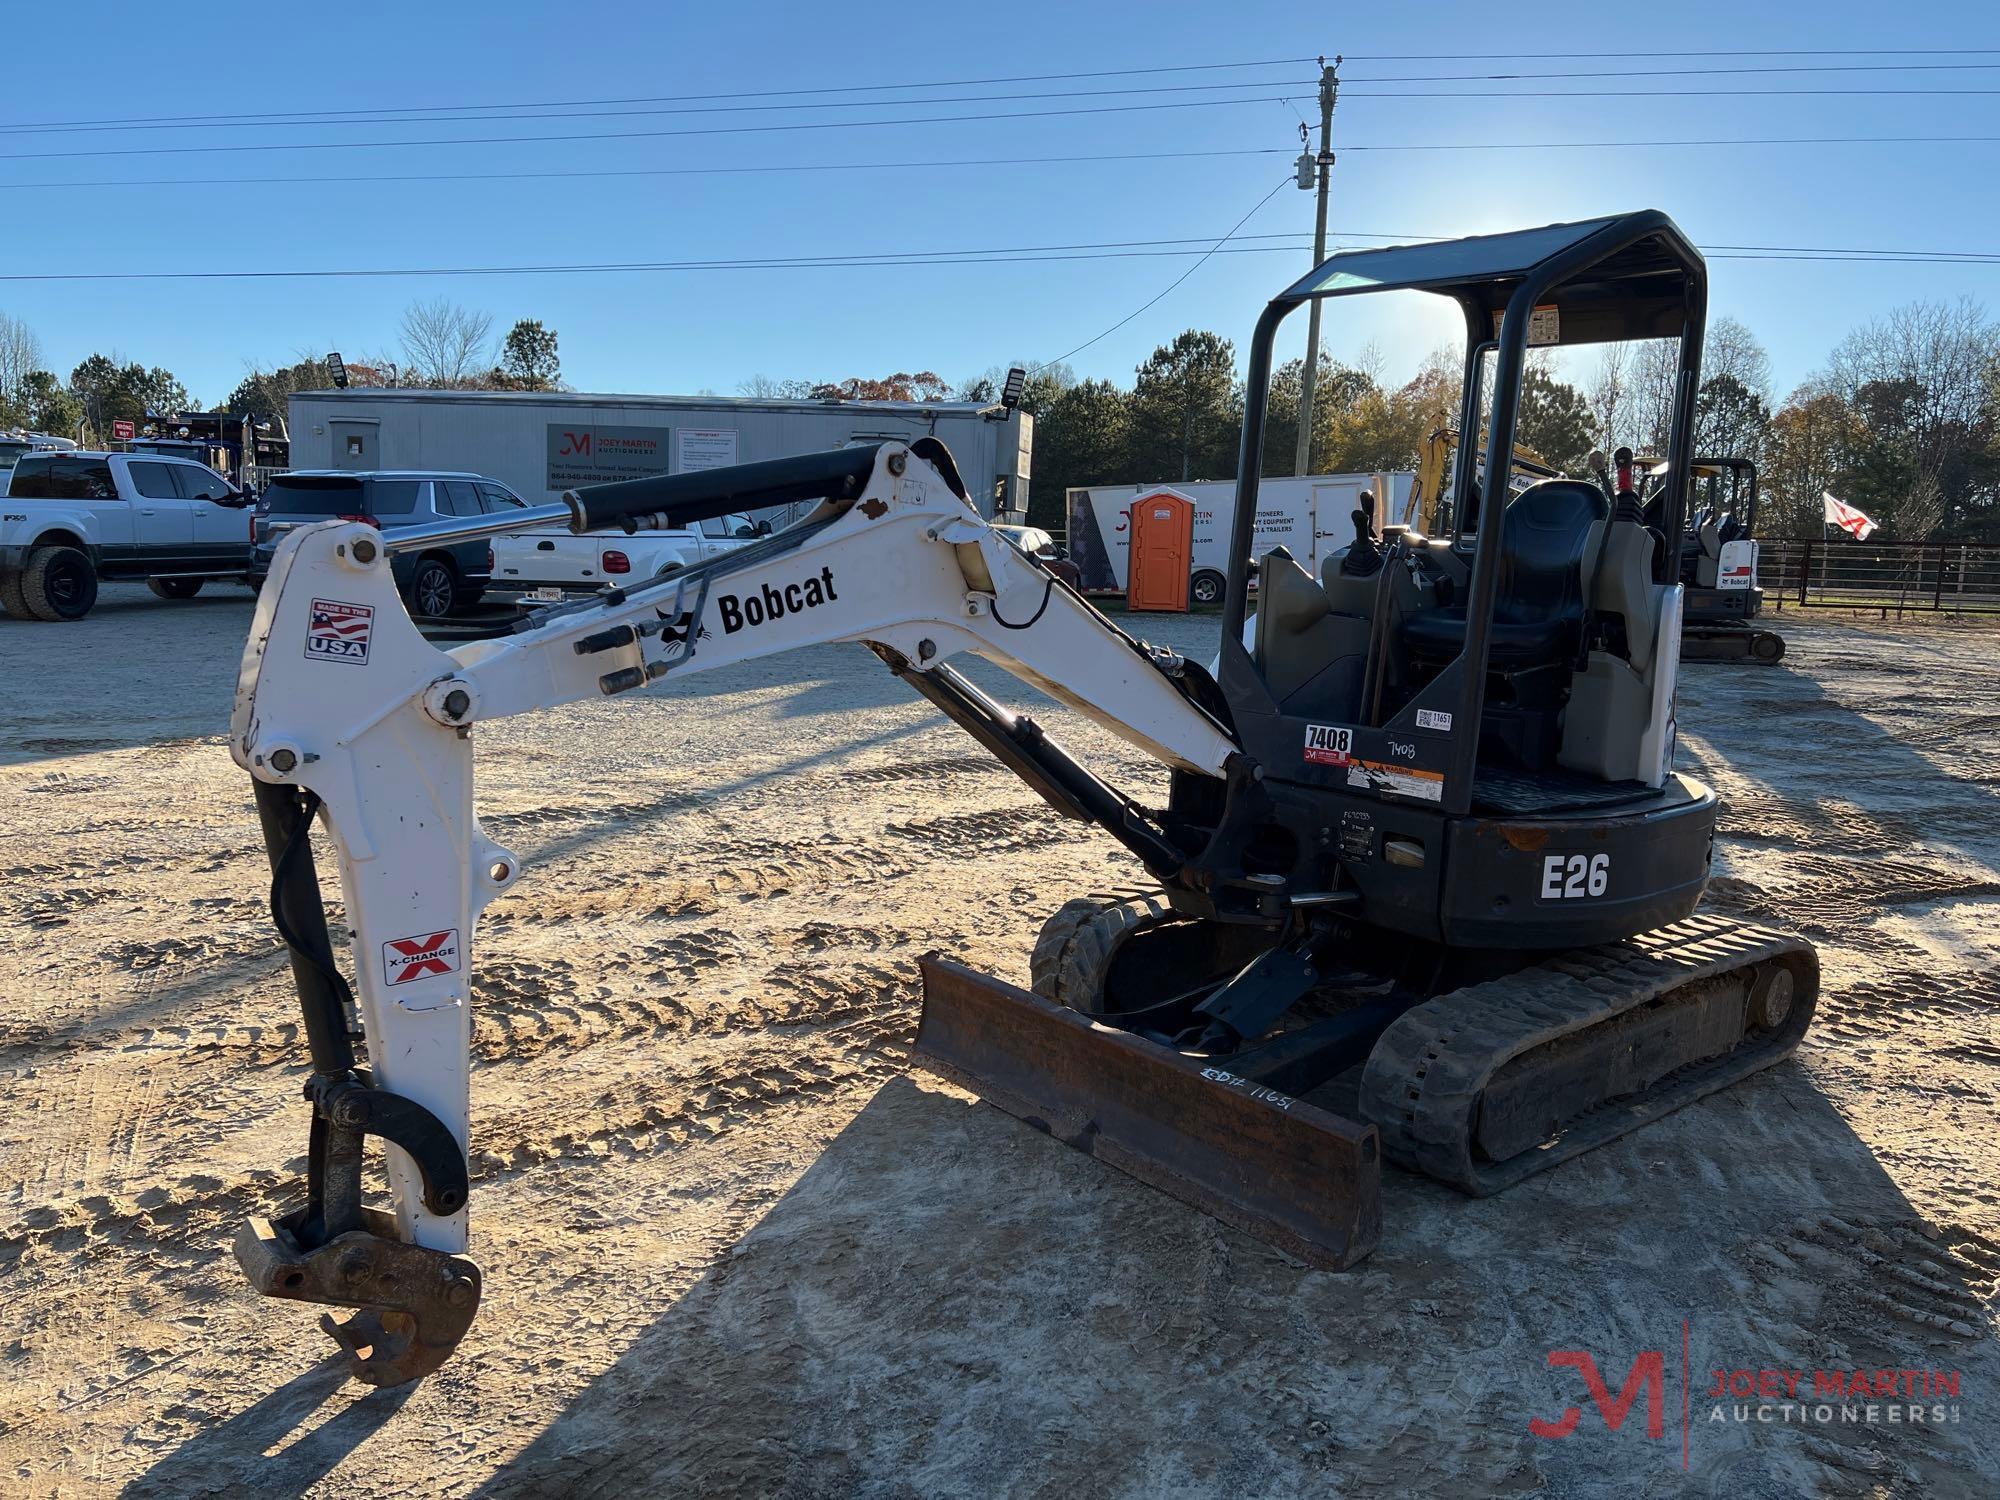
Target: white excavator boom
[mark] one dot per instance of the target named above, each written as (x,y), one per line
(345,710)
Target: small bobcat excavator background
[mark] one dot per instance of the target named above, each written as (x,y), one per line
(1419,850)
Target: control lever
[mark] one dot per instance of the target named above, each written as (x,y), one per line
(1364,553)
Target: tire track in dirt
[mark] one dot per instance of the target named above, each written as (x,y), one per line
(1889,1277)
(862,1023)
(1004,830)
(1831,827)
(1836,899)
(1982,725)
(1851,1292)
(1905,1000)
(571,815)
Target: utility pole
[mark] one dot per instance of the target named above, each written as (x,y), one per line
(1321,172)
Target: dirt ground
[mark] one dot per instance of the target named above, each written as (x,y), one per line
(733,1245)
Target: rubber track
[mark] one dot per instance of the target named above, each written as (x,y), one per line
(1423,1082)
(1728,643)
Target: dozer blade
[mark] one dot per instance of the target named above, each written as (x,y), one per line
(1282,1170)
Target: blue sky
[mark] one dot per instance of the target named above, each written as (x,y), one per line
(712,329)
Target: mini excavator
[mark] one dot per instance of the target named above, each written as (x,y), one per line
(1420,878)
(1719,568)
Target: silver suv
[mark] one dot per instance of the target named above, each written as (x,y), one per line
(438,581)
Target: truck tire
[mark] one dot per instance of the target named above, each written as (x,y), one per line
(10,597)
(433,588)
(58,583)
(174,588)
(1207,588)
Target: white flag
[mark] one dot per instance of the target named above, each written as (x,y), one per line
(1846,517)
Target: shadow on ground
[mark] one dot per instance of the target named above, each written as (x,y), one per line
(214,1461)
(949,1303)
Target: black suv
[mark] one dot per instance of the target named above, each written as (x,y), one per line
(437,581)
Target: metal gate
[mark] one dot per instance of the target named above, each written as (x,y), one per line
(1945,577)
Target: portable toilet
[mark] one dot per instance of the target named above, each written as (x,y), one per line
(1161,526)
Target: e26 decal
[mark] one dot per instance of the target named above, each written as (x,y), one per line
(1569,877)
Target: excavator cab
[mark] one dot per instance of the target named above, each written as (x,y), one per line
(1522,664)
(1718,567)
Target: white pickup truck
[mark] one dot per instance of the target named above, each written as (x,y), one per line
(69,519)
(548,568)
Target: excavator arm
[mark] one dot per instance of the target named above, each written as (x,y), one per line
(346,713)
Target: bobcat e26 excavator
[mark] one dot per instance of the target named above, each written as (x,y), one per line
(1719,568)
(1420,836)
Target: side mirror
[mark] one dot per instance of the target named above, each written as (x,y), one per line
(763,528)
(743,532)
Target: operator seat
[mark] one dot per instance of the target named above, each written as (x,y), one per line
(1546,533)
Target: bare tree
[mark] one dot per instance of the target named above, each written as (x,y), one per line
(1611,395)
(1922,378)
(765,388)
(1731,349)
(1936,359)
(444,344)
(20,352)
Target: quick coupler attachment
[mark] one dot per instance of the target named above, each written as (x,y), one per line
(412,1304)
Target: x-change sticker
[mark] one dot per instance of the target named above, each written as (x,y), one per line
(411,958)
(1400,781)
(339,632)
(1328,744)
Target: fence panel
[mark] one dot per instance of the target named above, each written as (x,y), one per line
(1948,577)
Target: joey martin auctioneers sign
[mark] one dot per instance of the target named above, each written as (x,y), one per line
(582,453)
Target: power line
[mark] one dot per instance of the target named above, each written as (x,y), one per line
(1629,56)
(1202,248)
(422,113)
(1729,252)
(566,174)
(1212,250)
(1775,140)
(1653,72)
(569,175)
(417,110)
(624,135)
(824,125)
(1673,93)
(1023,255)
(589,109)
(389,118)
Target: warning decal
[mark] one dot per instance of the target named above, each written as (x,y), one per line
(420,957)
(1328,744)
(1400,781)
(339,632)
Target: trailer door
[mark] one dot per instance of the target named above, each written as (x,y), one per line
(356,442)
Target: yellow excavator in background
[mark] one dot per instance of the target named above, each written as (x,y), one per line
(1423,510)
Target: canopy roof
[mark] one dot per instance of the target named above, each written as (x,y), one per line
(1621,277)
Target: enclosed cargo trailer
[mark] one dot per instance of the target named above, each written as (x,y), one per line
(1307,516)
(541,443)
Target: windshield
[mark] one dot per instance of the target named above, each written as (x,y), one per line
(300,496)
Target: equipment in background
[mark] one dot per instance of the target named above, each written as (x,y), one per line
(1421,879)
(1718,568)
(1429,501)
